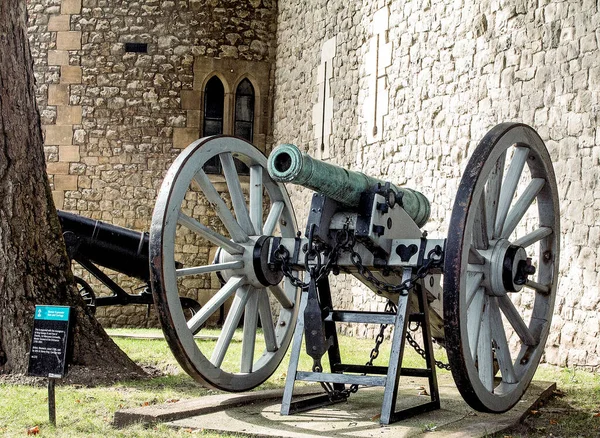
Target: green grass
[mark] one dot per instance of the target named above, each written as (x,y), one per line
(88,411)
(571,413)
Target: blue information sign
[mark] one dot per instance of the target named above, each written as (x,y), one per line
(52,313)
(49,341)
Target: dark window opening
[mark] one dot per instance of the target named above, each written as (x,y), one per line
(244,111)
(214,100)
(244,118)
(136,47)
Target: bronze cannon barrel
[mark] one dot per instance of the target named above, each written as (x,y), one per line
(288,164)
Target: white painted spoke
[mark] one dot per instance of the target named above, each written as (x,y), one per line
(235,190)
(197,270)
(266,320)
(475,258)
(474,280)
(533,237)
(474,313)
(232,225)
(231,322)
(256,196)
(514,318)
(485,357)
(249,333)
(273,218)
(210,235)
(492,194)
(522,205)
(541,288)
(480,228)
(502,351)
(509,186)
(214,303)
(280,296)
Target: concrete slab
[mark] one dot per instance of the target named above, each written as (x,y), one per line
(257,414)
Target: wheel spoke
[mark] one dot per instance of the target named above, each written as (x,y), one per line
(541,288)
(196,270)
(266,320)
(235,190)
(480,227)
(533,237)
(280,296)
(249,338)
(474,280)
(515,320)
(485,358)
(231,322)
(214,303)
(232,225)
(474,313)
(492,194)
(256,196)
(273,218)
(502,351)
(475,258)
(509,186)
(210,235)
(522,205)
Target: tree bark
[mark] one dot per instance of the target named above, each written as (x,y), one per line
(34,267)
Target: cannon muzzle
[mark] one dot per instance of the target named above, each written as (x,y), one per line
(289,165)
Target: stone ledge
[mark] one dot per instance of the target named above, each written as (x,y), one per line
(199,406)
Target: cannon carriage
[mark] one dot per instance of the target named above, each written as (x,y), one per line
(502,248)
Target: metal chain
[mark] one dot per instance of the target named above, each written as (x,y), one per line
(433,258)
(438,363)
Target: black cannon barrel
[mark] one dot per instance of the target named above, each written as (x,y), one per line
(117,248)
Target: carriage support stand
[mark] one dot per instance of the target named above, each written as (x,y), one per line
(388,377)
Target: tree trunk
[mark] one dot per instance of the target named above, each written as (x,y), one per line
(34,268)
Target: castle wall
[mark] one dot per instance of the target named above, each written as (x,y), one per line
(446,73)
(114,119)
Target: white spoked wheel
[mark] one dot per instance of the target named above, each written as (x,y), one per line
(501,267)
(262,301)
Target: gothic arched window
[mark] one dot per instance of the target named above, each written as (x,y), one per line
(244,111)
(214,101)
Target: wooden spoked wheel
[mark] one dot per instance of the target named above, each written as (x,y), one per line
(246,211)
(501,267)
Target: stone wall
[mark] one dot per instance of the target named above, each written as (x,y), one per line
(114,120)
(457,68)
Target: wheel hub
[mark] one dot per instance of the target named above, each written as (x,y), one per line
(508,267)
(256,267)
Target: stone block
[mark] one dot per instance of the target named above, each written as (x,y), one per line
(68,153)
(70,7)
(58,135)
(182,137)
(68,40)
(59,198)
(68,115)
(58,94)
(193,119)
(58,23)
(65,182)
(57,168)
(190,99)
(58,57)
(70,74)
